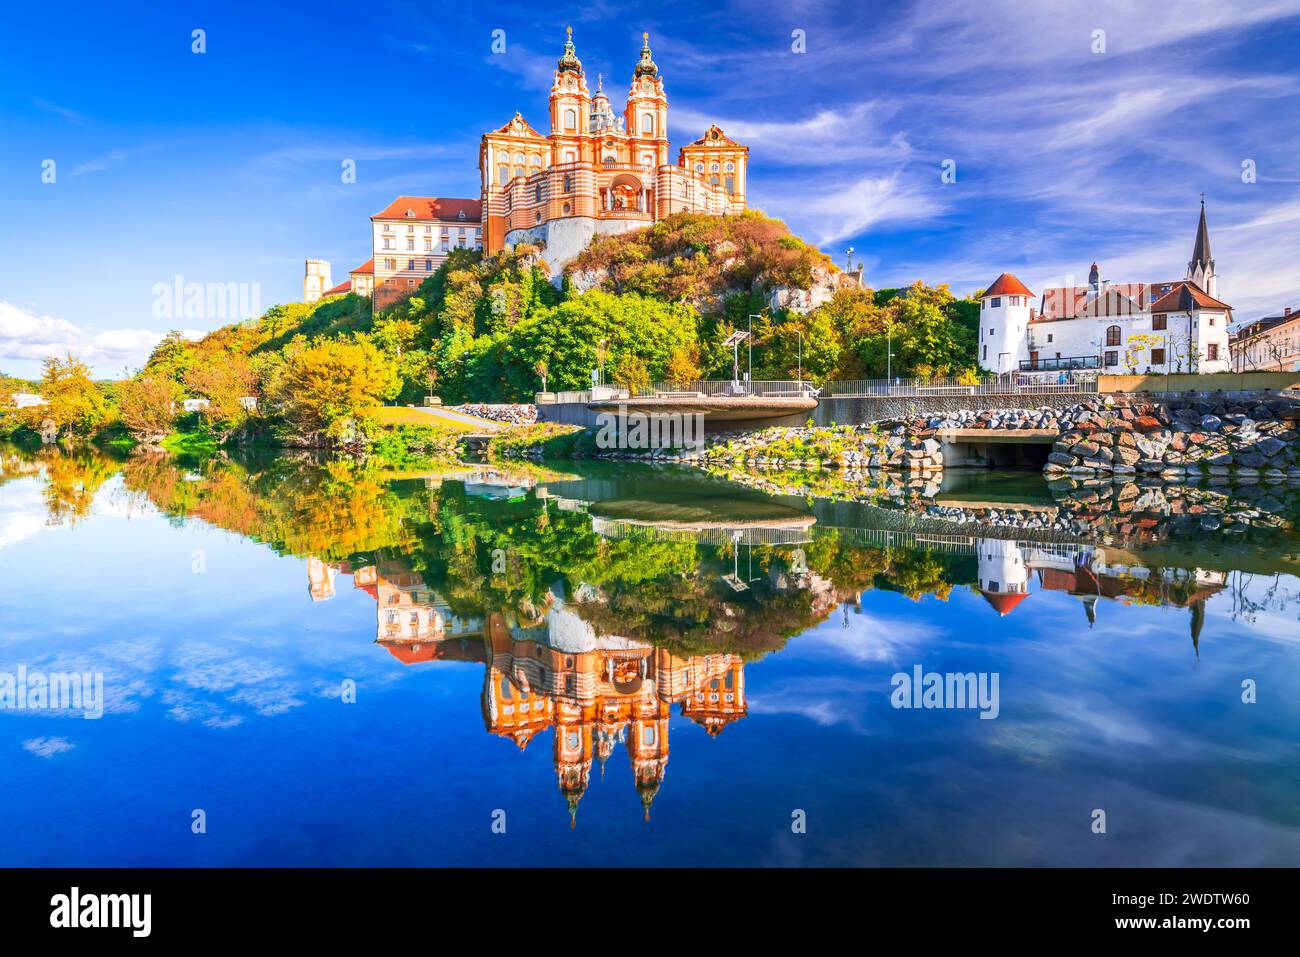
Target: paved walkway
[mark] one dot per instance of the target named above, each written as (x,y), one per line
(460,418)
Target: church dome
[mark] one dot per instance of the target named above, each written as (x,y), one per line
(569,62)
(645,66)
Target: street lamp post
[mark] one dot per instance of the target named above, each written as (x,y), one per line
(889,352)
(799,333)
(752,316)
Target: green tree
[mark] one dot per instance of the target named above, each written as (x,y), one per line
(148,406)
(73,401)
(322,384)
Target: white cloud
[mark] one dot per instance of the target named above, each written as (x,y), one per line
(27,336)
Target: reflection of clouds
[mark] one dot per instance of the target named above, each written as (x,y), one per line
(267,700)
(48,747)
(22,511)
(213,668)
(825,700)
(867,638)
(185,707)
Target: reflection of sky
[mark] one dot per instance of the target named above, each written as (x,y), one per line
(222,695)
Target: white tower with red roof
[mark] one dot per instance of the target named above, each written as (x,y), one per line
(1002,572)
(1005,311)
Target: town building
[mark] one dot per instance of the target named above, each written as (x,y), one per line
(1119,328)
(596,172)
(412,237)
(1270,344)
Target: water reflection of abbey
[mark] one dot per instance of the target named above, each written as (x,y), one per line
(556,672)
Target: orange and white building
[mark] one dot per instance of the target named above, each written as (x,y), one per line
(412,237)
(597,172)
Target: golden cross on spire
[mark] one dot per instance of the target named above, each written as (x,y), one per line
(569,30)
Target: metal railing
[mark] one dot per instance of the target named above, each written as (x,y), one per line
(1021,383)
(1009,384)
(1068,363)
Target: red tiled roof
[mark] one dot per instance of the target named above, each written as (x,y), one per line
(1067,302)
(433,207)
(1184,296)
(1004,601)
(1007,285)
(344,286)
(367,268)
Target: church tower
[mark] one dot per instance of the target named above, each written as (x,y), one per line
(570,100)
(1201,269)
(646,115)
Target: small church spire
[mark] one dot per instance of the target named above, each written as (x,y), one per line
(1201,268)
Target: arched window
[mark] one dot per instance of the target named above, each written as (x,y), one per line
(731,184)
(570,120)
(503,175)
(568,183)
(537,193)
(539,216)
(647,123)
(713,180)
(1112,335)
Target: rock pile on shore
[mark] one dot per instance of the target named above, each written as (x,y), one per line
(512,414)
(1220,438)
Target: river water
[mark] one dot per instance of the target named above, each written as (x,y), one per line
(581,663)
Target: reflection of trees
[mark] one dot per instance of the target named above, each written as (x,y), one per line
(332,511)
(72,480)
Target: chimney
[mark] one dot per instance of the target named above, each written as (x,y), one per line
(1286,311)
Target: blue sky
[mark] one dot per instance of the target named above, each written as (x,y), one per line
(224,167)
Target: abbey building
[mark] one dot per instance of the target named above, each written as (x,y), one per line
(595,171)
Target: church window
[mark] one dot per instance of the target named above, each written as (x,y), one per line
(539,216)
(647,123)
(648,735)
(519,171)
(1112,335)
(699,167)
(609,161)
(535,160)
(571,739)
(1112,359)
(568,183)
(537,193)
(519,158)
(731,167)
(713,167)
(731,184)
(1159,321)
(503,175)
(713,180)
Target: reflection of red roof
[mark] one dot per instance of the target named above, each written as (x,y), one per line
(372,590)
(432,207)
(415,652)
(1004,601)
(1007,285)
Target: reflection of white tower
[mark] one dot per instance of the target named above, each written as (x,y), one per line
(320,579)
(1003,574)
(1005,310)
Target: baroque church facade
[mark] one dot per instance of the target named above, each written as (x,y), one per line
(1158,327)
(597,172)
